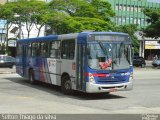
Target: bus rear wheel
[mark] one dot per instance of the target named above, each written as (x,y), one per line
(31,77)
(66,85)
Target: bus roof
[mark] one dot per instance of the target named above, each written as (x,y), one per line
(48,38)
(67,36)
(109,33)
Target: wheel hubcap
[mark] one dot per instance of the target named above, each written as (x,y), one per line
(67,86)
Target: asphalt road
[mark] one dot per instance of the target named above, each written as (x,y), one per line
(17,95)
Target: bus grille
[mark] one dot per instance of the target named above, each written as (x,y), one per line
(111,81)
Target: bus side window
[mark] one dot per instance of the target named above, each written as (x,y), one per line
(71,49)
(29,50)
(44,49)
(54,49)
(68,49)
(19,50)
(64,49)
(35,48)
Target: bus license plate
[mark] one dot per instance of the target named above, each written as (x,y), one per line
(112,90)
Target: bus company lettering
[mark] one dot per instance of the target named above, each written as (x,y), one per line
(51,63)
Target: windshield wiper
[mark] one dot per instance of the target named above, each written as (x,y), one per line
(120,52)
(103,48)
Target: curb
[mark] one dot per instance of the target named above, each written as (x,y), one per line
(7,72)
(148,67)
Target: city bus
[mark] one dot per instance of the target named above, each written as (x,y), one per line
(91,62)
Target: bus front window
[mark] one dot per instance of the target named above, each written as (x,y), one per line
(111,56)
(97,57)
(121,56)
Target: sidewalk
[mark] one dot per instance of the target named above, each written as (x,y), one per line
(7,70)
(149,63)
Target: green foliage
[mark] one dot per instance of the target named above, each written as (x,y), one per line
(94,24)
(130,29)
(63,16)
(103,8)
(153,29)
(26,13)
(63,23)
(79,15)
(66,24)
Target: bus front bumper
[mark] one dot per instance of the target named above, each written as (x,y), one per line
(98,88)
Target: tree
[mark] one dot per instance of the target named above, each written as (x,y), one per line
(94,24)
(26,13)
(43,18)
(6,14)
(63,23)
(62,16)
(79,15)
(130,29)
(153,29)
(104,9)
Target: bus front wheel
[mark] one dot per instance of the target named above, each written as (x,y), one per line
(66,85)
(31,77)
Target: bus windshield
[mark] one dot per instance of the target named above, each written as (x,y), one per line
(111,56)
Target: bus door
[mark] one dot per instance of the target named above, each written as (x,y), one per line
(81,51)
(24,59)
(68,59)
(54,63)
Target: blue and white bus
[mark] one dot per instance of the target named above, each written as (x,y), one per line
(91,62)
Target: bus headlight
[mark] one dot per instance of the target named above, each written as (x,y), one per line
(131,76)
(91,78)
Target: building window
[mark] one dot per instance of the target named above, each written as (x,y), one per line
(132,8)
(135,20)
(131,20)
(139,21)
(120,7)
(135,8)
(128,8)
(117,7)
(127,20)
(142,21)
(123,20)
(139,9)
(119,20)
(124,8)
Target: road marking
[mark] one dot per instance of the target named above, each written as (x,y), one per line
(23,97)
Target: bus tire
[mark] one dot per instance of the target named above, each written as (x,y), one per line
(31,77)
(66,85)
